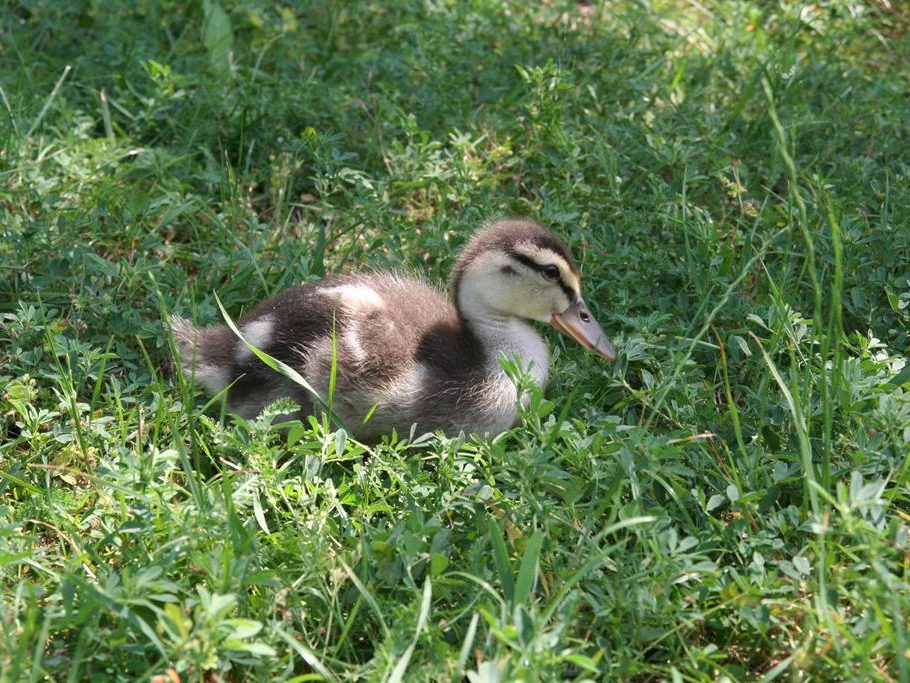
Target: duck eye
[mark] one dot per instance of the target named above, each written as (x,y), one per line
(550,272)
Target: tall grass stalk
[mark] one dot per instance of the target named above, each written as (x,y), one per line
(822,330)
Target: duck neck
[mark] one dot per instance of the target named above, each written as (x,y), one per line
(509,337)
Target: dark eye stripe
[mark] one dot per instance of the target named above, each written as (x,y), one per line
(524,260)
(534,265)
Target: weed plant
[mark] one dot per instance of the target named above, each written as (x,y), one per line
(728,501)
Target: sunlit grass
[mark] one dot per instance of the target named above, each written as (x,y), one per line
(728,500)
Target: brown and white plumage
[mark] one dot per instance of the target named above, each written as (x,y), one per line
(403,350)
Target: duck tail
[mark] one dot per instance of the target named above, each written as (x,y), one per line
(186,339)
(204,353)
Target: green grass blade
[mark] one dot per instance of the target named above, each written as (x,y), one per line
(465,650)
(368,596)
(47,103)
(333,370)
(799,425)
(835,333)
(401,666)
(306,654)
(527,572)
(273,363)
(501,560)
(279,366)
(20,482)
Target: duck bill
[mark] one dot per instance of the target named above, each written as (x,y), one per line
(577,322)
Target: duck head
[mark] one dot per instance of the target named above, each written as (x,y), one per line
(518,269)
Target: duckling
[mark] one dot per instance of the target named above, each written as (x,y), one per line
(404,353)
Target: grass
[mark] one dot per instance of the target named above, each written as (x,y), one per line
(728,501)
